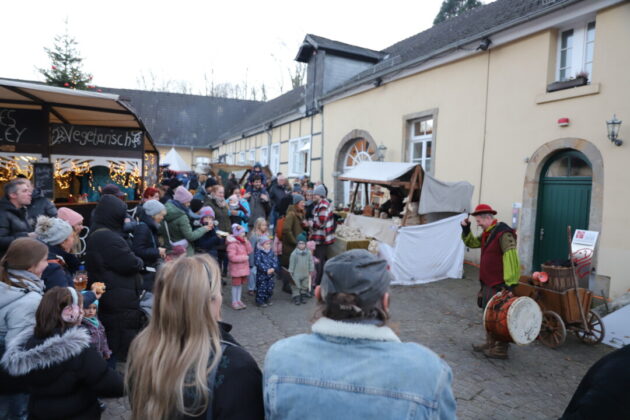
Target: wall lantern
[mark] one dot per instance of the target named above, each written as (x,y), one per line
(380,152)
(613,127)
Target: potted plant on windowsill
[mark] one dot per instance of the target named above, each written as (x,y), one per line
(580,79)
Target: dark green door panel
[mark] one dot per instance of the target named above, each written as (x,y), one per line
(562,202)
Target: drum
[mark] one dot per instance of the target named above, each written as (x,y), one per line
(514,319)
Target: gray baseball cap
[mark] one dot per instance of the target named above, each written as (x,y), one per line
(357,271)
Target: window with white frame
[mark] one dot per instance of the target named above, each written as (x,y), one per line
(229,159)
(300,156)
(241,157)
(575,51)
(264,155)
(274,159)
(252,156)
(421,142)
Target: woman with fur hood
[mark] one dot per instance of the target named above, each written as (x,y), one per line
(64,373)
(21,290)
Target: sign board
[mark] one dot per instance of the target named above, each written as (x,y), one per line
(43,178)
(22,126)
(583,250)
(73,138)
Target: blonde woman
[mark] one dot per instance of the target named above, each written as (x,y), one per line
(185,348)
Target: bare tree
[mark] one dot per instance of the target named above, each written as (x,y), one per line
(297,75)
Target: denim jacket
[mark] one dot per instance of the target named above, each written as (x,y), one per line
(350,370)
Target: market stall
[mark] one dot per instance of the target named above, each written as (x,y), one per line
(421,241)
(71,142)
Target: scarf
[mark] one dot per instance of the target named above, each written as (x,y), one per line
(240,239)
(21,278)
(94,321)
(220,201)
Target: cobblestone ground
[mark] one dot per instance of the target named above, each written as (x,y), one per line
(535,383)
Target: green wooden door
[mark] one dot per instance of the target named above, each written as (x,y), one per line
(564,200)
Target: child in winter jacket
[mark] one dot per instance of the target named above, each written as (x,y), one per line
(93,325)
(300,267)
(260,229)
(210,241)
(266,267)
(241,207)
(238,250)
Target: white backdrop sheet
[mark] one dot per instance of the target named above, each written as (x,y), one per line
(427,253)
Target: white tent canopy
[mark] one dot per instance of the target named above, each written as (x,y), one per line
(379,171)
(175,161)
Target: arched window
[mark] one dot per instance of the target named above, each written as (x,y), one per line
(359,151)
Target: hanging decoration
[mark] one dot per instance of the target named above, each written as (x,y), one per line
(125,172)
(150,170)
(13,165)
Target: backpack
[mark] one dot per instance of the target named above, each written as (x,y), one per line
(279,226)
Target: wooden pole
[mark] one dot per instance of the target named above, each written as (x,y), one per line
(414,180)
(575,282)
(367,197)
(354,197)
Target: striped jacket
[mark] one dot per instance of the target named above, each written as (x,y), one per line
(323,229)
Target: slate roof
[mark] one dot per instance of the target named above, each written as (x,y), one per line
(319,42)
(268,112)
(465,28)
(176,119)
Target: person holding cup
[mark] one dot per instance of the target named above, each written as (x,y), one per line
(59,236)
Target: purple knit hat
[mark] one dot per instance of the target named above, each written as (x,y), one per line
(237,229)
(182,195)
(262,241)
(206,211)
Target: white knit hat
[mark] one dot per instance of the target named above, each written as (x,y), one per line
(52,230)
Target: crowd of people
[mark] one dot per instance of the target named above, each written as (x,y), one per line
(144,288)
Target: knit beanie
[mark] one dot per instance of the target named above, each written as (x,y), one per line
(52,230)
(89,298)
(149,192)
(297,198)
(195,205)
(301,237)
(297,188)
(237,229)
(320,190)
(153,207)
(262,241)
(182,195)
(70,216)
(210,182)
(206,211)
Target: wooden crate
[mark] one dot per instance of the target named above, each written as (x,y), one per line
(342,245)
(563,303)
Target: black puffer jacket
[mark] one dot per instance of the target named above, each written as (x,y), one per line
(13,224)
(145,245)
(110,260)
(40,206)
(63,373)
(238,383)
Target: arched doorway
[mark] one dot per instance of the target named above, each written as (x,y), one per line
(564,199)
(356,147)
(359,151)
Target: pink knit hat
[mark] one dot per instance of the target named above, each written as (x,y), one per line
(182,195)
(72,217)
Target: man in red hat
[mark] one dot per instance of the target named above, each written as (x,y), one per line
(499,267)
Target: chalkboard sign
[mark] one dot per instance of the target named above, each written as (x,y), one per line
(44,178)
(22,126)
(79,137)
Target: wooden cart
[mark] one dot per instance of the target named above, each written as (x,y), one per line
(562,313)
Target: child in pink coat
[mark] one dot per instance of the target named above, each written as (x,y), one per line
(238,250)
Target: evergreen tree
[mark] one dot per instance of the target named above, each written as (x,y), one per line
(66,69)
(452,8)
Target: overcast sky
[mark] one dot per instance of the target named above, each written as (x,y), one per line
(229,41)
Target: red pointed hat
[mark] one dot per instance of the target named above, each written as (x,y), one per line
(483,209)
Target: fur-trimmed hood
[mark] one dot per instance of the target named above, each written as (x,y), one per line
(19,360)
(352,330)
